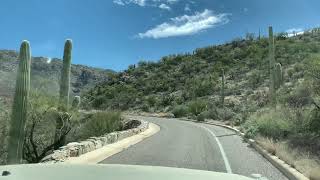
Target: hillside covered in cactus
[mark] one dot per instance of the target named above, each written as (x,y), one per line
(176,81)
(46,74)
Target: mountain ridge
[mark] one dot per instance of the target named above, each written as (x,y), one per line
(46,74)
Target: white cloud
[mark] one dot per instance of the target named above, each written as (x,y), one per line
(186,25)
(49,60)
(119,2)
(294,31)
(142,3)
(164,6)
(139,2)
(126,2)
(172,1)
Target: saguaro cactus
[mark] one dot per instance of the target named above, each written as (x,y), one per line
(222,87)
(65,75)
(19,108)
(64,93)
(271,65)
(278,75)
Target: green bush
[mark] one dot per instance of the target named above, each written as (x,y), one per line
(180,111)
(197,106)
(225,114)
(272,123)
(210,114)
(314,122)
(100,123)
(255,79)
(201,117)
(299,97)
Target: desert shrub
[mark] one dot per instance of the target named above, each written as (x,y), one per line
(290,72)
(151,100)
(166,100)
(145,107)
(255,79)
(314,121)
(180,111)
(225,114)
(197,106)
(211,114)
(41,125)
(100,123)
(201,117)
(272,123)
(299,97)
(250,128)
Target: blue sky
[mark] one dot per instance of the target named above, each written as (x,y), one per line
(115,33)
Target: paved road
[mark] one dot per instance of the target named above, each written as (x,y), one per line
(196,146)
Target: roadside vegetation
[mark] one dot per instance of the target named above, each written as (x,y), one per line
(234,83)
(50,121)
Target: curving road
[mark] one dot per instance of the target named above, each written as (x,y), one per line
(196,146)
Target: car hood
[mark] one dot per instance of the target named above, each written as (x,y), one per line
(108,171)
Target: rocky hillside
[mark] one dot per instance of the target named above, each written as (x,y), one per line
(179,80)
(45,75)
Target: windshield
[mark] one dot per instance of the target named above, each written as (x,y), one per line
(221,86)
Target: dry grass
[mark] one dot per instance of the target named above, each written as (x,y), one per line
(315,174)
(267,144)
(285,153)
(302,161)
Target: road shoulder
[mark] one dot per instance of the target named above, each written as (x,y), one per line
(286,169)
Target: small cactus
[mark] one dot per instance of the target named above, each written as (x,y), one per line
(19,108)
(278,75)
(76,102)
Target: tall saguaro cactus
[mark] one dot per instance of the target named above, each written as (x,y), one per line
(222,87)
(271,65)
(19,108)
(65,75)
(64,95)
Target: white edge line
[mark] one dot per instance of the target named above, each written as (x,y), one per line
(224,156)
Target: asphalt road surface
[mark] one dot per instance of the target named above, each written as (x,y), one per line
(192,145)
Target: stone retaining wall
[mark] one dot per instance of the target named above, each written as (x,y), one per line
(76,149)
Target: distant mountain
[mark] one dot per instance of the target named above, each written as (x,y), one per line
(45,74)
